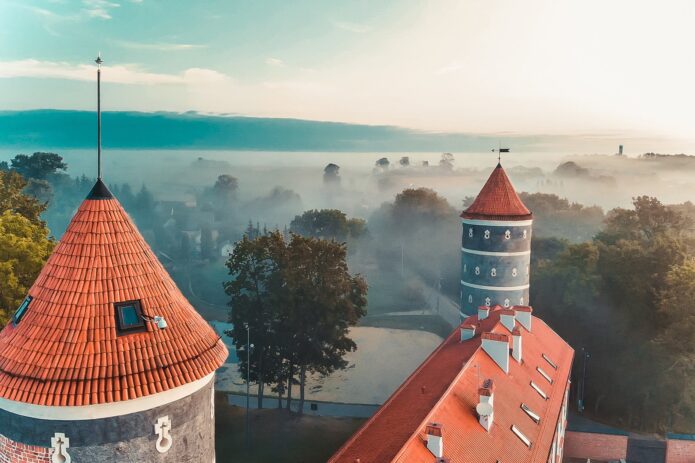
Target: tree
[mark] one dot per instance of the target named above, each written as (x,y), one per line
(225,189)
(447,161)
(24,248)
(13,199)
(207,245)
(324,300)
(405,161)
(39,165)
(330,224)
(143,207)
(331,174)
(382,163)
(256,294)
(298,301)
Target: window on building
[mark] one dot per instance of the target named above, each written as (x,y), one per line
(506,302)
(465,268)
(487,301)
(534,416)
(493,272)
(21,310)
(524,233)
(521,301)
(477,270)
(129,317)
(470,299)
(470,233)
(487,234)
(507,234)
(514,272)
(521,436)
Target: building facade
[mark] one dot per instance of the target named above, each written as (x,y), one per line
(495,247)
(106,361)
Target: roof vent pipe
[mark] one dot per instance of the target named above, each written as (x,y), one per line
(516,344)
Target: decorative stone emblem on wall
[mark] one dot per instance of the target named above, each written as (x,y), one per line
(514,272)
(521,301)
(162,428)
(493,272)
(487,234)
(477,270)
(524,233)
(506,302)
(507,234)
(470,299)
(487,301)
(60,445)
(470,233)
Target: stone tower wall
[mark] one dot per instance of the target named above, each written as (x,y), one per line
(495,263)
(124,438)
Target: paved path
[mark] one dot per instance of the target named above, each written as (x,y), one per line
(311,407)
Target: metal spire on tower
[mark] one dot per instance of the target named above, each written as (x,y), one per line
(99,61)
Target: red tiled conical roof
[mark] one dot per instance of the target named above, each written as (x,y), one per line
(66,351)
(497,200)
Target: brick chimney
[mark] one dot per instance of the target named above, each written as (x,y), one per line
(485,406)
(516,344)
(496,345)
(508,318)
(523,316)
(435,442)
(483,312)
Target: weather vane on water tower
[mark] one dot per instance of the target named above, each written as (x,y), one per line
(499,152)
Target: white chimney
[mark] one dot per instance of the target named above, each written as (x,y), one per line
(485,407)
(508,318)
(483,312)
(435,442)
(516,344)
(496,345)
(523,316)
(467,332)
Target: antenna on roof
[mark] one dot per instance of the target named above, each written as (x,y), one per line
(99,61)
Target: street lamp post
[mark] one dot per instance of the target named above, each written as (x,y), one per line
(248,380)
(580,402)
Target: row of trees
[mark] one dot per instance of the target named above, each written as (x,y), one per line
(297,300)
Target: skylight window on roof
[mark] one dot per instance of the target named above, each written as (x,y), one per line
(521,436)
(21,310)
(545,375)
(129,317)
(539,390)
(550,362)
(534,416)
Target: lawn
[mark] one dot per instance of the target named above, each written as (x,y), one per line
(276,436)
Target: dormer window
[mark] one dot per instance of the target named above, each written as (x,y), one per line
(545,375)
(521,436)
(534,416)
(129,317)
(21,310)
(539,390)
(550,362)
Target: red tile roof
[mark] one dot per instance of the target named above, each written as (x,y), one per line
(452,376)
(497,200)
(66,351)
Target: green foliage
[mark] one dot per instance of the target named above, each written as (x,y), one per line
(39,165)
(24,248)
(627,298)
(328,224)
(12,197)
(298,300)
(555,216)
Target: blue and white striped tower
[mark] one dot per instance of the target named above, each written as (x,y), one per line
(495,247)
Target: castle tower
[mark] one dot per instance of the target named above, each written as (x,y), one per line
(105,360)
(495,247)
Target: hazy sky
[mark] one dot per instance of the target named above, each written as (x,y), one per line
(531,66)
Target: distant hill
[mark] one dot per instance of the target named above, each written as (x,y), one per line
(48,129)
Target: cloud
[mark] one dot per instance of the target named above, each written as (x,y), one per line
(351,27)
(159,46)
(276,62)
(98,8)
(120,74)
